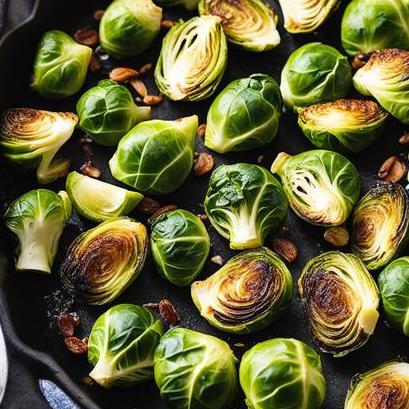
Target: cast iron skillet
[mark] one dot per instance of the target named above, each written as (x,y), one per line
(24,312)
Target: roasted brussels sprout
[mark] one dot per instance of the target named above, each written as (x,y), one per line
(248,24)
(193,58)
(122,344)
(380,224)
(282,373)
(195,371)
(38,218)
(386,78)
(321,186)
(244,115)
(370,25)
(107,112)
(341,301)
(314,73)
(245,203)
(31,138)
(247,294)
(188,4)
(60,65)
(128,27)
(102,262)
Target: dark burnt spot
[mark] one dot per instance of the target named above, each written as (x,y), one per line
(386,393)
(363,230)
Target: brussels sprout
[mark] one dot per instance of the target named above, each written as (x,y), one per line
(244,115)
(386,78)
(282,373)
(122,344)
(386,386)
(180,246)
(128,27)
(38,218)
(195,371)
(60,65)
(188,4)
(102,262)
(380,224)
(321,186)
(245,203)
(315,73)
(107,112)
(247,294)
(248,24)
(369,25)
(98,200)
(193,59)
(31,138)
(156,156)
(341,301)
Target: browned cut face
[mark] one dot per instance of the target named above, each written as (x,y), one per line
(386,392)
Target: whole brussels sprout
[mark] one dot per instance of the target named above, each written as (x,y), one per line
(107,112)
(321,186)
(282,373)
(180,246)
(128,27)
(188,4)
(244,115)
(192,60)
(60,65)
(122,344)
(195,371)
(244,204)
(247,294)
(314,73)
(156,156)
(341,301)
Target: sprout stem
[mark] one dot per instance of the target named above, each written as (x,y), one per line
(279,162)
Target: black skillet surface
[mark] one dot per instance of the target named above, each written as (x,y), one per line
(24,312)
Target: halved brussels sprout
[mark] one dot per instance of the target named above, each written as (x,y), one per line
(128,27)
(31,138)
(107,112)
(193,59)
(180,246)
(248,24)
(188,4)
(321,186)
(245,203)
(122,344)
(102,262)
(247,294)
(38,218)
(386,78)
(370,25)
(380,224)
(244,115)
(97,200)
(282,373)
(341,301)
(386,386)
(156,156)
(195,371)
(315,73)
(60,65)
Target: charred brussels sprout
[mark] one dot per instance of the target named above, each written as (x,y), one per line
(315,73)
(321,186)
(244,115)
(193,59)
(102,262)
(341,301)
(31,138)
(247,294)
(282,373)
(38,218)
(122,344)
(60,65)
(195,371)
(380,224)
(188,4)
(245,203)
